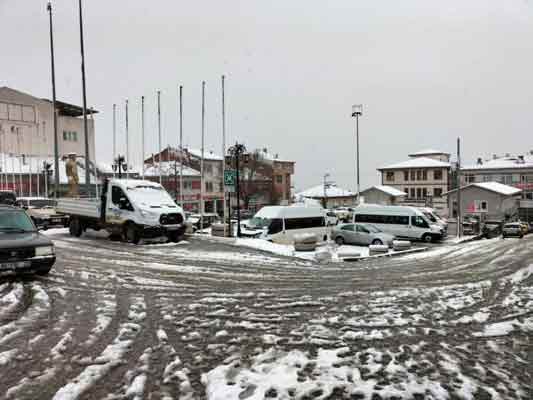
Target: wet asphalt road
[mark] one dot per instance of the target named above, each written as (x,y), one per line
(117,321)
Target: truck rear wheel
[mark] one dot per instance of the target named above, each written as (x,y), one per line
(131,233)
(75,227)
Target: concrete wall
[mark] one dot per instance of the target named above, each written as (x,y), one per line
(497,205)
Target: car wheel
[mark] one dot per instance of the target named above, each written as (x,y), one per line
(339,240)
(377,242)
(75,227)
(131,233)
(175,237)
(427,238)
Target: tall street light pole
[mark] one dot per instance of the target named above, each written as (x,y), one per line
(357,111)
(181,145)
(159,135)
(142,136)
(54,110)
(202,178)
(236,151)
(114,134)
(224,152)
(85,129)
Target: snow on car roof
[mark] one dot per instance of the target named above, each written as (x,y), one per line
(419,162)
(331,191)
(289,212)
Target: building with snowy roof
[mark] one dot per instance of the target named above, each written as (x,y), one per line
(516,171)
(488,200)
(329,195)
(383,194)
(424,177)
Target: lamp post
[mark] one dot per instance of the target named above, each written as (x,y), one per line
(120,165)
(54,110)
(46,172)
(325,203)
(357,111)
(236,151)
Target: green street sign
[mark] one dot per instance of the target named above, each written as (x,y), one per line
(230,177)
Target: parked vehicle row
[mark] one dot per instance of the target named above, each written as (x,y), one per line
(360,234)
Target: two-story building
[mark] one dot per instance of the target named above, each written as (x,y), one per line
(424,177)
(516,171)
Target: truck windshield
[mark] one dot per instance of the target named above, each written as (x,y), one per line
(151,196)
(430,216)
(42,203)
(15,221)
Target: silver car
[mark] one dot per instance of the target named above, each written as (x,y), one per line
(362,234)
(512,229)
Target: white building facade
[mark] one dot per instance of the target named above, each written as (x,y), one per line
(424,177)
(27,128)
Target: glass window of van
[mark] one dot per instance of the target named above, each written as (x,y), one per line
(419,222)
(276,226)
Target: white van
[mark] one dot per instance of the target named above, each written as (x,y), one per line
(280,224)
(402,222)
(435,218)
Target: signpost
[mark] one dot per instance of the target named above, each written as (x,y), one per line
(230,180)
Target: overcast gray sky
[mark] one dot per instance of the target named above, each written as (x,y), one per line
(426,72)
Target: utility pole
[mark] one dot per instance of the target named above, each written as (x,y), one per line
(458,178)
(357,111)
(127,143)
(85,129)
(114,135)
(54,110)
(142,135)
(224,154)
(326,176)
(202,179)
(236,151)
(159,134)
(181,146)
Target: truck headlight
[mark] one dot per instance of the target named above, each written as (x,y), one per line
(44,251)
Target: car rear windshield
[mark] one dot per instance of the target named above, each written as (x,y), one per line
(15,221)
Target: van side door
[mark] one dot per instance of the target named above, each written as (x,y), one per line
(119,208)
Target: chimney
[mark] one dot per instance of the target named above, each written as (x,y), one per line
(521,160)
(507,155)
(494,156)
(479,161)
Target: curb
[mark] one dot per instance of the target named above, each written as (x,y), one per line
(396,253)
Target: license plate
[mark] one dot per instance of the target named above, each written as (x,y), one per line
(56,221)
(15,265)
(172,227)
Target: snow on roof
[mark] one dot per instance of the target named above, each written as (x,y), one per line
(271,157)
(208,154)
(428,152)
(388,190)
(167,169)
(331,191)
(502,163)
(419,162)
(496,187)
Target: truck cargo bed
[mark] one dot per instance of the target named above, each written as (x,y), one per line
(89,208)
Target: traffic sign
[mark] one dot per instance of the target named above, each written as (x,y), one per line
(230,177)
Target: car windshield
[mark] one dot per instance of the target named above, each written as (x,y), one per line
(259,223)
(42,203)
(151,196)
(430,216)
(15,221)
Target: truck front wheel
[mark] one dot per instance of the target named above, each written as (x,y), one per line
(75,227)
(131,233)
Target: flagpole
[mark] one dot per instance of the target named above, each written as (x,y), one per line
(127,144)
(181,145)
(142,135)
(224,153)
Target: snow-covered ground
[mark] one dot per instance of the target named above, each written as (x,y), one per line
(210,319)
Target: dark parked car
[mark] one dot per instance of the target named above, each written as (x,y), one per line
(22,248)
(492,228)
(7,197)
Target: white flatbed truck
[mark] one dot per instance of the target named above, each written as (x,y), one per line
(128,209)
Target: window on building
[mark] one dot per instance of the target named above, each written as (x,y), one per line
(412,193)
(488,178)
(469,178)
(507,179)
(69,136)
(390,176)
(413,175)
(424,192)
(424,175)
(484,206)
(418,175)
(419,192)
(437,175)
(279,178)
(437,192)
(209,186)
(406,190)
(65,135)
(406,175)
